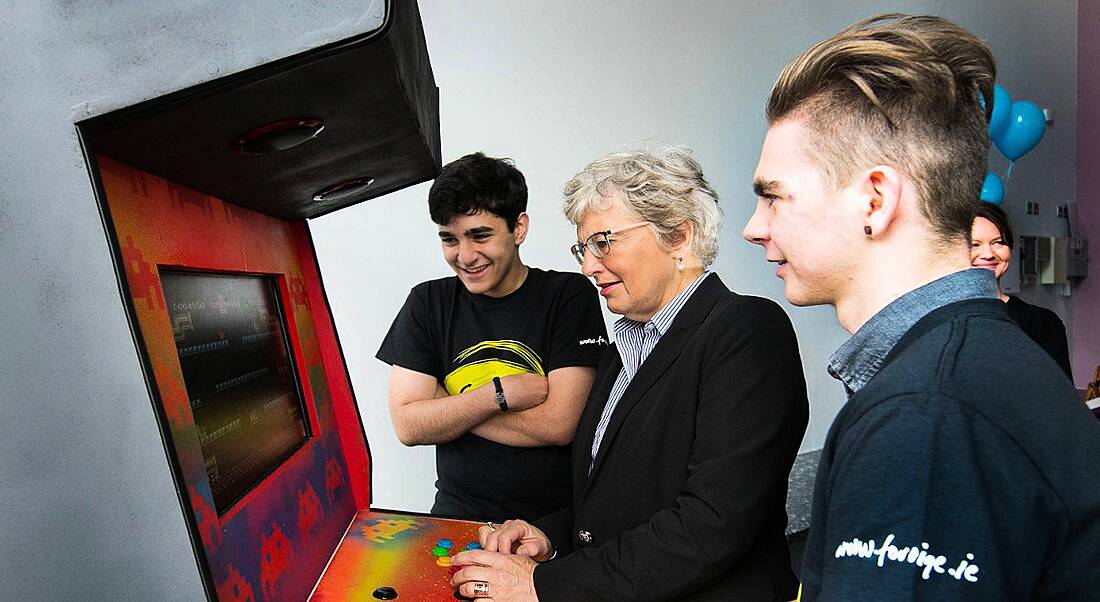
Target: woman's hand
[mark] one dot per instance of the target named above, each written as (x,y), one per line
(516,537)
(494,576)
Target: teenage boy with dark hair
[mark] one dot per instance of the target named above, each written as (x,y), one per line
(493,365)
(964,465)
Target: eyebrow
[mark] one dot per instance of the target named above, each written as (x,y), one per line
(471,232)
(765,187)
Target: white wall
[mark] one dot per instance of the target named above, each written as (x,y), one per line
(556,84)
(88,507)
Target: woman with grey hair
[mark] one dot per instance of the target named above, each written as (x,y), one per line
(682,454)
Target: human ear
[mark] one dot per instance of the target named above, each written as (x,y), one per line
(682,236)
(880,197)
(520,231)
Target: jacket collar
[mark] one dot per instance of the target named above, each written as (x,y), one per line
(672,343)
(858,360)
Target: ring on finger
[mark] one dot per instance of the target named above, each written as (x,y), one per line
(481,589)
(492,526)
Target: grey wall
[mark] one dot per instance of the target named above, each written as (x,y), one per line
(555,85)
(88,510)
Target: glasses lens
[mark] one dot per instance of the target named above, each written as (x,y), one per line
(599,245)
(578,253)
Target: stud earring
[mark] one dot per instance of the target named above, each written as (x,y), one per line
(867,230)
(680,265)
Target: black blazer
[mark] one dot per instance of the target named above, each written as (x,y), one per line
(1044,327)
(686,499)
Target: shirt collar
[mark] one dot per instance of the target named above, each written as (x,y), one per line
(857,361)
(664,316)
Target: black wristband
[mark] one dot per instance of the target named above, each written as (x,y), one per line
(501,401)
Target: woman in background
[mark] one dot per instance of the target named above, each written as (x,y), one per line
(991,248)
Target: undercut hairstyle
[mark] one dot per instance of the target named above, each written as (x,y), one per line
(903,91)
(999,218)
(664,187)
(477,183)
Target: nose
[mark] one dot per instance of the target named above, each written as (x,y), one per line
(756,229)
(467,253)
(591,265)
(983,251)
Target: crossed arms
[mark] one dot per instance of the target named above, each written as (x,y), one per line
(542,410)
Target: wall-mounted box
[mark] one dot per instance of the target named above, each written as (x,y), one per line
(1028,257)
(1077,261)
(1053,253)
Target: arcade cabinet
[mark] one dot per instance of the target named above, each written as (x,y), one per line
(205,196)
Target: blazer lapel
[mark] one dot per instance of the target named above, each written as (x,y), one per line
(664,354)
(590,417)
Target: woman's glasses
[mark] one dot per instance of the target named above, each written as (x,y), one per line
(599,244)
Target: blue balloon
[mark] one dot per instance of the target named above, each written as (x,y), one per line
(1002,111)
(1026,126)
(993,190)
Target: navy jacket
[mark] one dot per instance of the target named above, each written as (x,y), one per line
(966,469)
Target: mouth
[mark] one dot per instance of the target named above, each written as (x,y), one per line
(986,266)
(607,287)
(474,272)
(780,264)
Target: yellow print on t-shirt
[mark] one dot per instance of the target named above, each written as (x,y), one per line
(478,364)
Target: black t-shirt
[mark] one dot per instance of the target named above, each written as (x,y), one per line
(1044,327)
(958,474)
(551,321)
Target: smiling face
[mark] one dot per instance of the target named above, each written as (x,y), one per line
(483,253)
(988,248)
(636,276)
(811,231)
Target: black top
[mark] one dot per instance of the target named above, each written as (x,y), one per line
(957,474)
(553,320)
(686,498)
(1044,327)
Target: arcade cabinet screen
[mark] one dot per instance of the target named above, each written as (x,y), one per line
(241,382)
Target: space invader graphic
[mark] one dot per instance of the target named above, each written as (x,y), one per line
(236,588)
(386,529)
(207,519)
(334,479)
(297,286)
(275,560)
(309,511)
(144,283)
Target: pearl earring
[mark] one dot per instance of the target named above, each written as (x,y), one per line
(680,265)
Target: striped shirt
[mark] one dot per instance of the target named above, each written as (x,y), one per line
(635,340)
